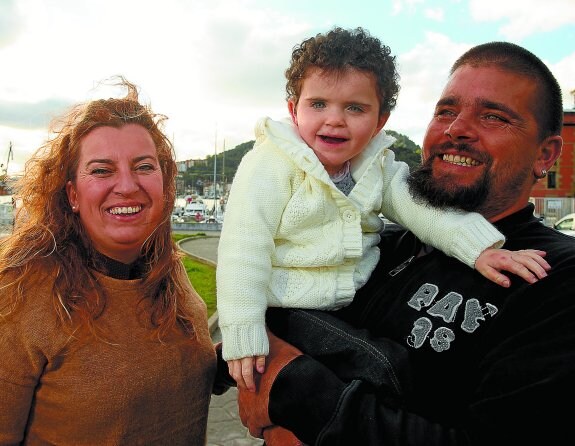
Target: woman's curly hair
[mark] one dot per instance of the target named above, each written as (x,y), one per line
(48,236)
(339,50)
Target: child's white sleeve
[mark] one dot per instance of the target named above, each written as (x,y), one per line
(463,235)
(253,212)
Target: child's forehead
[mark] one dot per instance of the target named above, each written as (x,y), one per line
(336,75)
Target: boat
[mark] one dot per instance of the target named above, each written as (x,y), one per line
(196,208)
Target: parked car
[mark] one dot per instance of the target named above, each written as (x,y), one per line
(566,224)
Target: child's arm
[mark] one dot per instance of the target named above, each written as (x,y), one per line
(463,235)
(242,371)
(258,197)
(527,263)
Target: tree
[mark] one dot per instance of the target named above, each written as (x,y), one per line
(405,150)
(227,162)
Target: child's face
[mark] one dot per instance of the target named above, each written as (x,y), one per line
(337,114)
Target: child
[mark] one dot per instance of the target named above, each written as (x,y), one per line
(302,222)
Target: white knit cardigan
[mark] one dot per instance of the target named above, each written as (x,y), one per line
(291,239)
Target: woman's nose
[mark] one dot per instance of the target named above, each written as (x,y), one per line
(127,183)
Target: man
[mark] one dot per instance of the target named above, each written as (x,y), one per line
(477,363)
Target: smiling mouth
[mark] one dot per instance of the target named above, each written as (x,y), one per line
(332,139)
(129,210)
(460,160)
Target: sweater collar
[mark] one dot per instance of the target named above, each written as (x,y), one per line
(117,270)
(512,222)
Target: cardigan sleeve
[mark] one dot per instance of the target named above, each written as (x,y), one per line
(463,235)
(259,194)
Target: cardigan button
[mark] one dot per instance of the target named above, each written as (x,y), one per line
(348,215)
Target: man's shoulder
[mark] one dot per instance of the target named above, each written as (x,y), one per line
(557,245)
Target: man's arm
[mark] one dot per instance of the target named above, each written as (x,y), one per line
(524,383)
(302,395)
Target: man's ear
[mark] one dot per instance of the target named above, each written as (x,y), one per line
(292,106)
(381,122)
(549,151)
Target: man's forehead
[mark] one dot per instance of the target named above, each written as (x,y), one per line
(485,85)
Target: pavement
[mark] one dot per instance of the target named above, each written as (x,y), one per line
(224,425)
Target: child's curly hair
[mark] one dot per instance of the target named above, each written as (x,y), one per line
(339,50)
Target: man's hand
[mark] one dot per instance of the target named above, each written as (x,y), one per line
(526,263)
(278,436)
(253,406)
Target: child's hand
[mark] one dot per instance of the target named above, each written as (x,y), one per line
(242,370)
(526,263)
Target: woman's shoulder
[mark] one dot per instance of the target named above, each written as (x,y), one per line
(31,293)
(29,311)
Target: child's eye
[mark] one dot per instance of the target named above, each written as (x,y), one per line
(318,104)
(355,108)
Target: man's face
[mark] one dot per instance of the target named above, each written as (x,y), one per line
(481,147)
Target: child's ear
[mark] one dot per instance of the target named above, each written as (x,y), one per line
(381,122)
(292,107)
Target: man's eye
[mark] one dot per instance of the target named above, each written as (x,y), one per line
(444,114)
(492,117)
(492,120)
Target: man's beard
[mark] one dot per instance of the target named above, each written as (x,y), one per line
(425,188)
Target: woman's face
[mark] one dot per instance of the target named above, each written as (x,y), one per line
(118,191)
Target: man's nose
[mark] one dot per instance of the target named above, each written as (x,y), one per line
(461,128)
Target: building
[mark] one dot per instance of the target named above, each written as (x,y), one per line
(554,195)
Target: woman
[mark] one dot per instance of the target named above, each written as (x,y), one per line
(103,339)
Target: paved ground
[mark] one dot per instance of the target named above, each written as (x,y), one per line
(224,425)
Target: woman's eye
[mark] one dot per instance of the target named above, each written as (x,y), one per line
(146,167)
(100,171)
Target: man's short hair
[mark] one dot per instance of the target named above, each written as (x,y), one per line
(548,105)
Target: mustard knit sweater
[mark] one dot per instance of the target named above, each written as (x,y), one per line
(292,239)
(128,389)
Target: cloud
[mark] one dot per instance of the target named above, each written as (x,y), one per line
(424,71)
(435,14)
(31,115)
(411,5)
(10,22)
(522,18)
(563,71)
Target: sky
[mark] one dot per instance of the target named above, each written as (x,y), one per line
(213,67)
